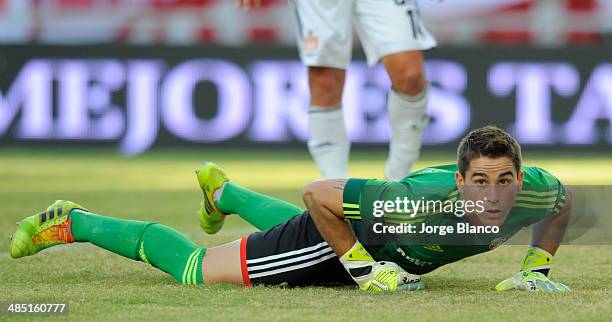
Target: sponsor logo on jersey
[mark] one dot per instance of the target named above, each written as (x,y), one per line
(415,261)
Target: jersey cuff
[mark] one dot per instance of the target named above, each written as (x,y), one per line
(351,198)
(560,201)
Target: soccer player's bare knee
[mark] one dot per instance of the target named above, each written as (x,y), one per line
(312,187)
(326,86)
(222,264)
(409,80)
(405,70)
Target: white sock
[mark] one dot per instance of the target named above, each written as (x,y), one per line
(408,121)
(328,142)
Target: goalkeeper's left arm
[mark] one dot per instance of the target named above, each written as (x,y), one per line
(547,235)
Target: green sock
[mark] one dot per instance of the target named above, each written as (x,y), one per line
(257,209)
(153,243)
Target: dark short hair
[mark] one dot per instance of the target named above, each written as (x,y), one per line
(489,141)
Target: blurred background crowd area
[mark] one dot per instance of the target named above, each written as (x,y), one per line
(542,23)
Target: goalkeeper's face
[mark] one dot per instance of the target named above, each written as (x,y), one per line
(491,184)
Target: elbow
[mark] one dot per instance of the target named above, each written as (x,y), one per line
(568,199)
(566,207)
(310,191)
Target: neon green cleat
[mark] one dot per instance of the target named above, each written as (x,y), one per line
(211,178)
(43,230)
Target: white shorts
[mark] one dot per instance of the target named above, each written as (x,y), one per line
(325,29)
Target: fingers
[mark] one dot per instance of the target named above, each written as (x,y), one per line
(562,287)
(409,282)
(552,287)
(507,284)
(545,286)
(532,282)
(539,285)
(412,286)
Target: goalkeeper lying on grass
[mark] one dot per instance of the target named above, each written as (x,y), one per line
(319,245)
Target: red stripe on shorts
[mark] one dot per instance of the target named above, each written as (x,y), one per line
(243,264)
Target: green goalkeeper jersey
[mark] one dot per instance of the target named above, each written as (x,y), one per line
(542,195)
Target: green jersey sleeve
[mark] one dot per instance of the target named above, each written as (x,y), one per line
(542,195)
(361,196)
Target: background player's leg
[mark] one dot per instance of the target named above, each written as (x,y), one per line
(394,32)
(257,209)
(328,141)
(325,30)
(156,244)
(406,105)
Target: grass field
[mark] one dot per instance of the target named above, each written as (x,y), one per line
(160,186)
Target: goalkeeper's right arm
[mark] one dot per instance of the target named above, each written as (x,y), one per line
(323,199)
